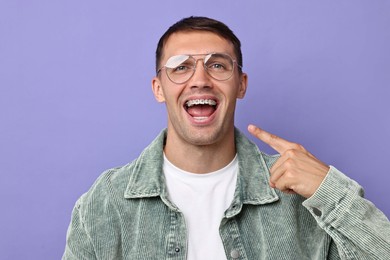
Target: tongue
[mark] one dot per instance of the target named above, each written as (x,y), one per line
(201,110)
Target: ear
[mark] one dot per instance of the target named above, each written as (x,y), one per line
(157,90)
(243,85)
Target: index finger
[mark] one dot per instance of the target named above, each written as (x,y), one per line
(277,143)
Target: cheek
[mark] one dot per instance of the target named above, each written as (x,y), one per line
(172,99)
(233,92)
(172,93)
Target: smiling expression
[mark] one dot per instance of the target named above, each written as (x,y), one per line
(200,110)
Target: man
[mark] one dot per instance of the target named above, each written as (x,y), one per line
(202,190)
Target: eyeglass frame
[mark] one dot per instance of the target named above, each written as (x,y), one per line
(204,66)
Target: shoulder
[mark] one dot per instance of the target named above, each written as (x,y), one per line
(110,185)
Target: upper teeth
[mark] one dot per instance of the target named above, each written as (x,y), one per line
(201,102)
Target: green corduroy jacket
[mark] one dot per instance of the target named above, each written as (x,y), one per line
(127,215)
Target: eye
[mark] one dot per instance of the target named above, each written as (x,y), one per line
(181,69)
(217,66)
(218,62)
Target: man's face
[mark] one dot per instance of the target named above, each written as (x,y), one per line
(189,122)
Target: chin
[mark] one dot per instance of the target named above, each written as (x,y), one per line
(201,138)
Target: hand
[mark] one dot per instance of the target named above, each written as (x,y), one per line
(297,170)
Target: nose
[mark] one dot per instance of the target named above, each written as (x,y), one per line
(201,78)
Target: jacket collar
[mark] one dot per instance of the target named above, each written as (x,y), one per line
(147,180)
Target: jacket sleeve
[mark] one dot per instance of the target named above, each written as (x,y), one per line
(358,228)
(78,243)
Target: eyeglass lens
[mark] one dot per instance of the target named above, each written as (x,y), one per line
(180,68)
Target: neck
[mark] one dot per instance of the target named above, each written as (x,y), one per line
(200,158)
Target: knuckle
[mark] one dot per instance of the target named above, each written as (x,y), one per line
(300,147)
(273,137)
(289,163)
(290,153)
(297,146)
(289,174)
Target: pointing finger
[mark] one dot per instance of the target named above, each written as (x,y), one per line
(277,143)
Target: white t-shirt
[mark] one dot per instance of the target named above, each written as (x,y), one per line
(203,199)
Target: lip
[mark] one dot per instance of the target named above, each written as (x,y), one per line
(204,121)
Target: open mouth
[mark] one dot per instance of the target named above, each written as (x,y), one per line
(200,109)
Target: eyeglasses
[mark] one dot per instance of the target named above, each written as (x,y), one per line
(180,68)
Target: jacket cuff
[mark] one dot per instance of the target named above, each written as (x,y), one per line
(333,198)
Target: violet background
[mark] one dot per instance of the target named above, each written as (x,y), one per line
(75,95)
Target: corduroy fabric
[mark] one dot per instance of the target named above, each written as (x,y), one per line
(127,215)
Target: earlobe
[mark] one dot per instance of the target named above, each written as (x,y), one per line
(243,85)
(157,90)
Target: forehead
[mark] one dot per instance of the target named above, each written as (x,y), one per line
(196,42)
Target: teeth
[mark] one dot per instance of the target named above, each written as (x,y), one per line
(210,102)
(200,118)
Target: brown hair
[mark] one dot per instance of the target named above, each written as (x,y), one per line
(198,23)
